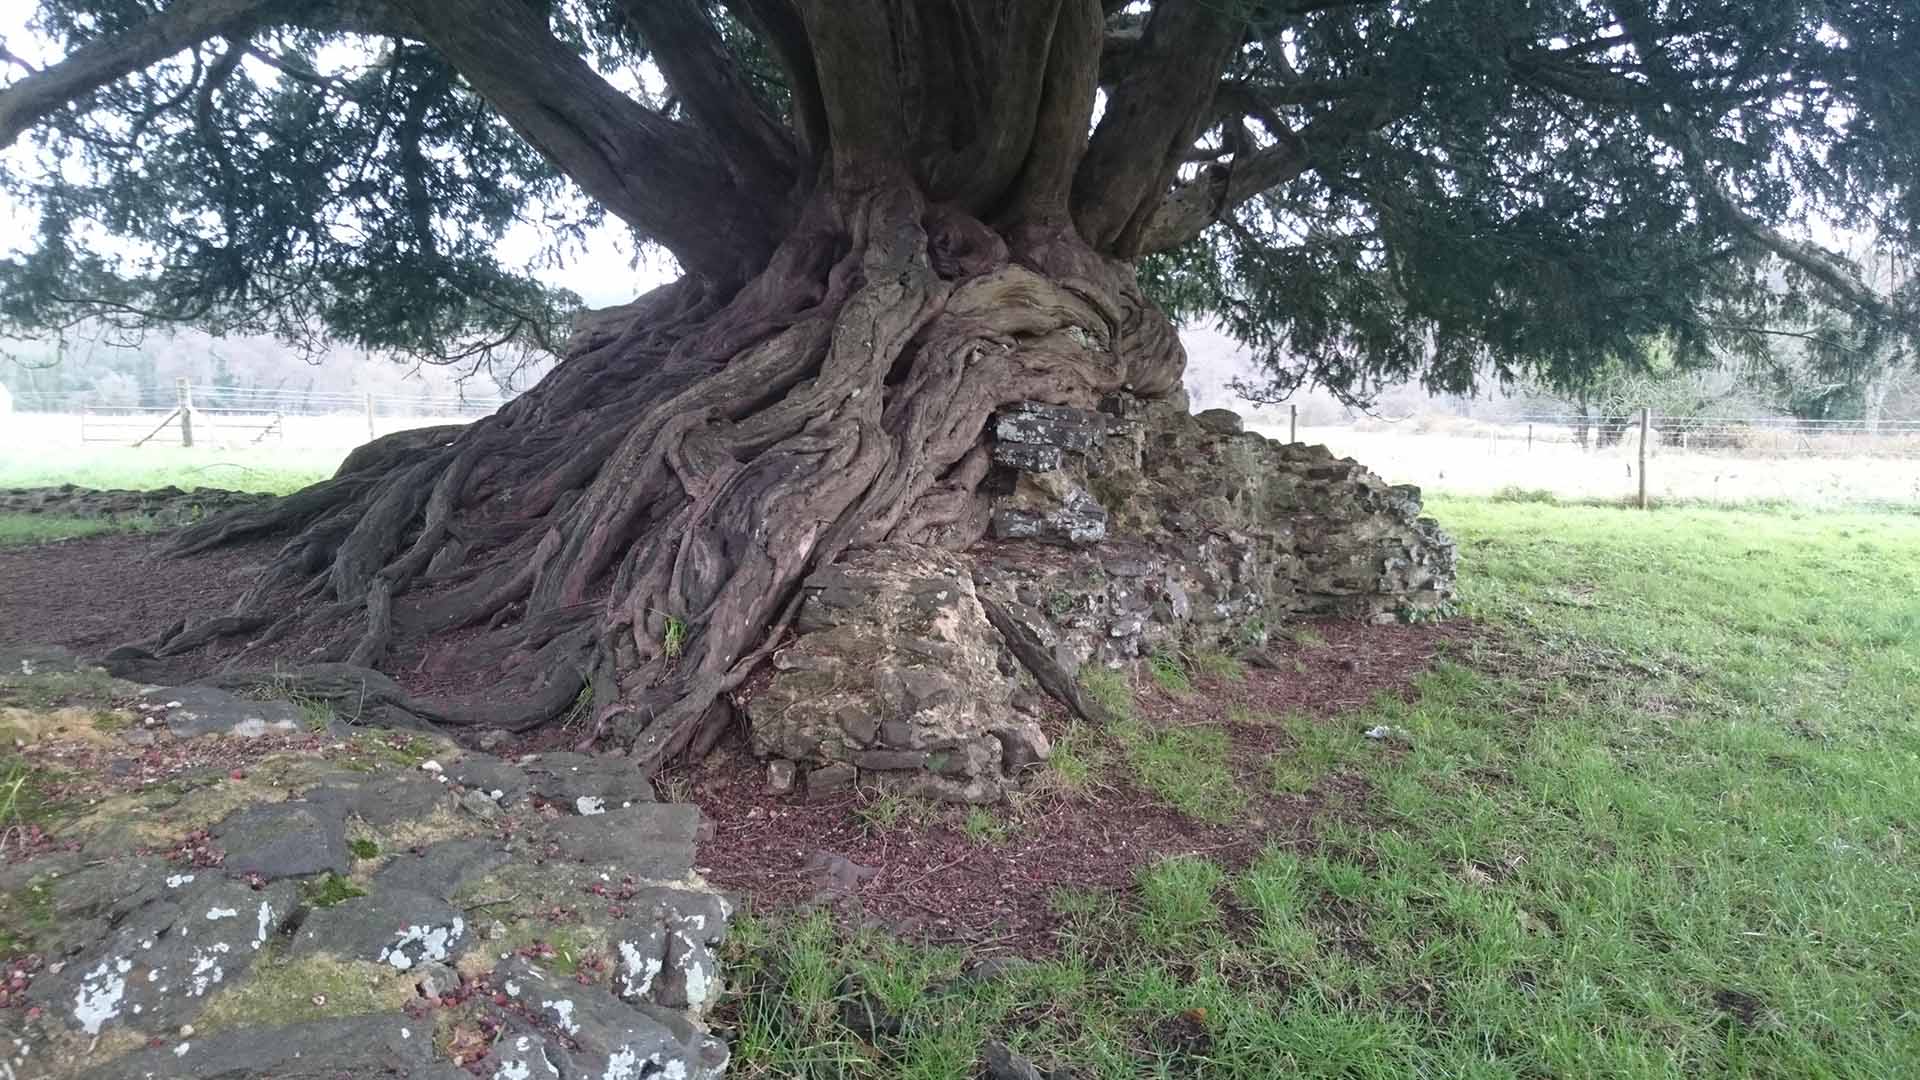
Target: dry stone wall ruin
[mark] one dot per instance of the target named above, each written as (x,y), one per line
(1114,534)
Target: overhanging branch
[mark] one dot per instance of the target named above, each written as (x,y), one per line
(759,152)
(664,178)
(179,26)
(1155,110)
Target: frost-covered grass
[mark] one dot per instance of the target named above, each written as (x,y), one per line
(1655,823)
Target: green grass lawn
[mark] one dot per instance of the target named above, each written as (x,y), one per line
(274,469)
(1654,824)
(17,529)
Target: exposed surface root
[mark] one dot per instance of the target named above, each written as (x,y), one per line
(631,534)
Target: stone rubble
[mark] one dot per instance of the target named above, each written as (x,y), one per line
(1114,535)
(345,916)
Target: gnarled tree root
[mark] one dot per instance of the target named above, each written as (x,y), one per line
(636,528)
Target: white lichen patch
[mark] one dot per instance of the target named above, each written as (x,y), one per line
(216,914)
(637,972)
(207,970)
(622,1064)
(101,992)
(266,917)
(589,805)
(701,985)
(562,1010)
(422,943)
(176,880)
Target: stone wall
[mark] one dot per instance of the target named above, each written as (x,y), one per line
(1114,534)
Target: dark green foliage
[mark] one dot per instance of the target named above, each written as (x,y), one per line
(293,183)
(1522,189)
(1484,188)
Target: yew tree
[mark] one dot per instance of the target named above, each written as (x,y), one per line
(893,217)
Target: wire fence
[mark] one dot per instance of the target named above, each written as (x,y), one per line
(187,414)
(1726,459)
(1704,458)
(1740,436)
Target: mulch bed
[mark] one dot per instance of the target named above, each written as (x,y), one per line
(98,592)
(933,881)
(929,880)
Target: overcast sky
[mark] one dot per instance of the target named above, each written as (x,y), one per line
(602,274)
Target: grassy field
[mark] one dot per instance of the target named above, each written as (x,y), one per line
(1653,825)
(18,529)
(272,469)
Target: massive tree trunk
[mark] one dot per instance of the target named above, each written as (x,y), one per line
(637,526)
(933,235)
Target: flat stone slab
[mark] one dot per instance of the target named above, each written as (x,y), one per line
(391,1045)
(442,869)
(410,796)
(399,928)
(652,842)
(180,940)
(287,839)
(503,783)
(203,710)
(588,783)
(604,1036)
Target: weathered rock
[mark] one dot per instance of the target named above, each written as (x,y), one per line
(378,1045)
(1028,458)
(1216,535)
(443,869)
(1051,507)
(837,875)
(394,799)
(605,1036)
(896,665)
(204,710)
(393,927)
(287,839)
(654,840)
(1022,746)
(588,783)
(505,784)
(1220,421)
(781,775)
(667,952)
(831,779)
(173,943)
(240,933)
(1050,425)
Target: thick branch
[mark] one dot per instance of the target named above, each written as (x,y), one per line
(759,152)
(1195,204)
(1154,112)
(778,26)
(662,177)
(94,65)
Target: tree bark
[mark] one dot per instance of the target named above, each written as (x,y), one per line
(694,458)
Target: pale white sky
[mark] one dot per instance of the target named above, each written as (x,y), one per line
(603,273)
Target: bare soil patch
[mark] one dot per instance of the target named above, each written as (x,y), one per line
(931,878)
(935,881)
(95,593)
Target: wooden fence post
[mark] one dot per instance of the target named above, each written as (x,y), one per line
(1293,423)
(185,389)
(370,433)
(1645,427)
